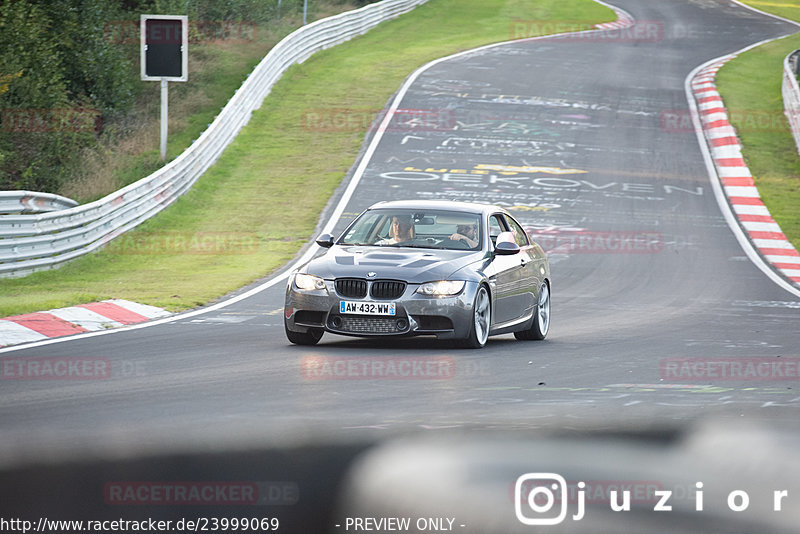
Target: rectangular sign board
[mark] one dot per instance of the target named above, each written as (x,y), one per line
(165,47)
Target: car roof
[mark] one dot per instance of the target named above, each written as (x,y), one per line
(450,205)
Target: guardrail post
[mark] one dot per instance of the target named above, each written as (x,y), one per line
(797,63)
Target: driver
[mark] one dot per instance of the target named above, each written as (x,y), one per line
(468,233)
(402,229)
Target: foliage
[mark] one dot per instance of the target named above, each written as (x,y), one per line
(60,76)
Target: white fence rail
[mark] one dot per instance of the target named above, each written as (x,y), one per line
(30,243)
(791,95)
(32,202)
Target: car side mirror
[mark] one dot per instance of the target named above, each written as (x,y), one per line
(506,248)
(325,241)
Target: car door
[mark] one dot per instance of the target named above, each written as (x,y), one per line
(531,263)
(504,273)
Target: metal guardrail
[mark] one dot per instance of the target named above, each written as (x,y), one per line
(30,243)
(32,202)
(791,94)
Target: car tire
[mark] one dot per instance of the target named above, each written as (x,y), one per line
(311,337)
(541,317)
(481,320)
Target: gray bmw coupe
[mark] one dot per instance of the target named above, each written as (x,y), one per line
(406,268)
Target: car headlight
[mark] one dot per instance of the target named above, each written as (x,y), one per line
(308,282)
(442,288)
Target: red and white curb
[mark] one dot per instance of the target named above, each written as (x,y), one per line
(75,320)
(624,20)
(737,182)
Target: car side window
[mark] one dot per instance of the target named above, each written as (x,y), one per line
(496,227)
(519,234)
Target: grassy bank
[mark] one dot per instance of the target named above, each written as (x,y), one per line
(750,85)
(260,202)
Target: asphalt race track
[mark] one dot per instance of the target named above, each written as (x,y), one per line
(572,134)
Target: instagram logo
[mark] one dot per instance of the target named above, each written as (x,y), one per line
(540,492)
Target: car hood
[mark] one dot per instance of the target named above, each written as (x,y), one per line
(411,265)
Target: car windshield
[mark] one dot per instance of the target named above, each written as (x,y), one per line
(410,228)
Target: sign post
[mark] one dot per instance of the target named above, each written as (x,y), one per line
(164,117)
(164,57)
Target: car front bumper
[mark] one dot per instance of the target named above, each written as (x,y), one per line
(415,314)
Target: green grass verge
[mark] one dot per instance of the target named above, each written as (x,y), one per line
(789,9)
(750,85)
(261,201)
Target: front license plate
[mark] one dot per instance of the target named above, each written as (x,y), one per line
(367,308)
